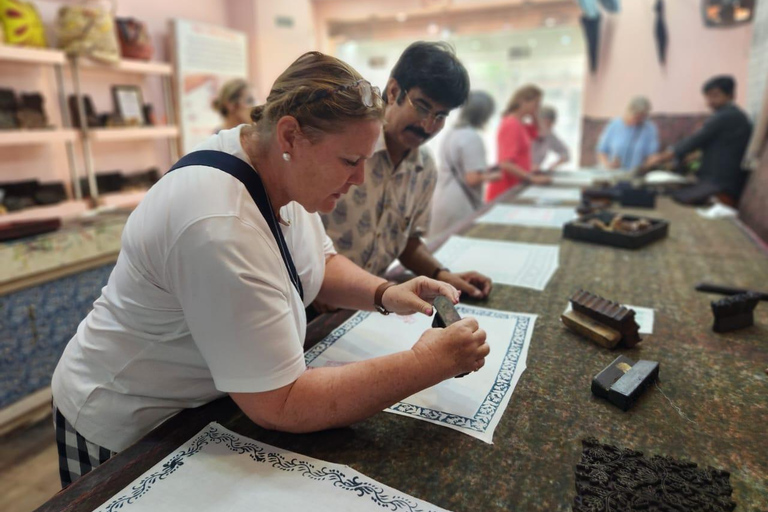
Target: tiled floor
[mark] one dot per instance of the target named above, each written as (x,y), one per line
(29,468)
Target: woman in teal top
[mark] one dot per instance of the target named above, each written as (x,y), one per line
(626,142)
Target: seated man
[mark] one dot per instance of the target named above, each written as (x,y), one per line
(723,140)
(384,218)
(547,142)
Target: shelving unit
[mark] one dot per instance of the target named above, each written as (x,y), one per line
(95,135)
(137,133)
(64,210)
(42,136)
(138,67)
(32,55)
(65,134)
(86,136)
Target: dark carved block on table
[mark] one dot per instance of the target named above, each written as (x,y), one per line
(735,312)
(609,478)
(609,313)
(623,381)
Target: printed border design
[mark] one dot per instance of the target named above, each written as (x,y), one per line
(213,435)
(482,418)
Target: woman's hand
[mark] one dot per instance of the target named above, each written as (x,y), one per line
(537,179)
(457,349)
(416,296)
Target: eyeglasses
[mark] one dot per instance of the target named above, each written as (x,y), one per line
(424,113)
(369,94)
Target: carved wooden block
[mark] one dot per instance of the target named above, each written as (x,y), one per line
(608,313)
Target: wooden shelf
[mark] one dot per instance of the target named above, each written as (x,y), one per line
(121,199)
(42,136)
(138,133)
(141,67)
(31,55)
(64,210)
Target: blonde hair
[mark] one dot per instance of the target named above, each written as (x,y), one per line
(525,93)
(310,90)
(229,93)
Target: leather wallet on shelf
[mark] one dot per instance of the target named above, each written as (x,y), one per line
(106,182)
(90,112)
(9,108)
(31,114)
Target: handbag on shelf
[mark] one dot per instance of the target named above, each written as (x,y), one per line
(88,30)
(9,107)
(31,114)
(134,39)
(21,24)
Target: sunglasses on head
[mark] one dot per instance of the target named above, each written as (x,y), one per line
(368,92)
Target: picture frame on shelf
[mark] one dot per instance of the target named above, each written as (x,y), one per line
(727,13)
(129,104)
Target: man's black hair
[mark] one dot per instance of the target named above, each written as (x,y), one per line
(434,68)
(725,83)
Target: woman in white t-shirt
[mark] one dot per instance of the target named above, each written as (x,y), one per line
(216,267)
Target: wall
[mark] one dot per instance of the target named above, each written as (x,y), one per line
(273,45)
(629,66)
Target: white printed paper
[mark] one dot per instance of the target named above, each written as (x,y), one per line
(511,263)
(551,194)
(472,404)
(531,216)
(220,470)
(643,316)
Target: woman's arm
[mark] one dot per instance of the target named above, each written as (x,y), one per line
(348,286)
(324,398)
(474,178)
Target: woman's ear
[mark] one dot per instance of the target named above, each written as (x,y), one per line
(287,132)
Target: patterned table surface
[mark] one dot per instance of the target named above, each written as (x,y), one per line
(717,381)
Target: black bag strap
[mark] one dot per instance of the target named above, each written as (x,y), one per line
(248,176)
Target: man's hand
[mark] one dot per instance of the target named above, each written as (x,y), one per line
(474,284)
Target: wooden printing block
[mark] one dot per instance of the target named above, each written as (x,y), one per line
(609,313)
(735,312)
(590,329)
(623,381)
(445,315)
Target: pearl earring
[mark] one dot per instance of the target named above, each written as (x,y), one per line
(287,156)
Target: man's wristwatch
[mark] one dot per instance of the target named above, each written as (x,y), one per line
(379,295)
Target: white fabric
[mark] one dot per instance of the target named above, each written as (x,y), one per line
(199,304)
(473,404)
(219,470)
(511,263)
(531,216)
(551,194)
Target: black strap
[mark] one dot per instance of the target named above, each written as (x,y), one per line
(246,174)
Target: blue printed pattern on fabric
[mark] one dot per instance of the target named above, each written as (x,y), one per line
(260,454)
(484,415)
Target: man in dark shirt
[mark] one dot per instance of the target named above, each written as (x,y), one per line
(723,140)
